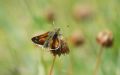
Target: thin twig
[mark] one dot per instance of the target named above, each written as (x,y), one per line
(98,61)
(51,69)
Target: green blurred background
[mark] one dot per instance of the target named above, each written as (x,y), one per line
(20,20)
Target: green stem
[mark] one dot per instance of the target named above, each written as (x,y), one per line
(98,61)
(51,69)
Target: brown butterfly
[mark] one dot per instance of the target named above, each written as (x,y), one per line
(53,41)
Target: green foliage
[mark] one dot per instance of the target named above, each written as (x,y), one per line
(21,19)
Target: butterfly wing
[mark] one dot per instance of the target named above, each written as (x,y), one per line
(52,36)
(40,39)
(48,39)
(55,47)
(55,44)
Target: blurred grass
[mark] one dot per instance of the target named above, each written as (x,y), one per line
(21,19)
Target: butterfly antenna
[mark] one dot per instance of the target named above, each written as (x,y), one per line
(51,69)
(53,24)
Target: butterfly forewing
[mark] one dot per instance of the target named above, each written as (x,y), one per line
(48,39)
(40,40)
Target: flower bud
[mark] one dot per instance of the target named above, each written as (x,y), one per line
(77,38)
(50,15)
(82,12)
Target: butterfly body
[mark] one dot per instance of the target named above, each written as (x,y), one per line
(51,35)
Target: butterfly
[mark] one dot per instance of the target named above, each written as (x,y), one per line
(53,41)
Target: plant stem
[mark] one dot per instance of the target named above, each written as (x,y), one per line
(98,61)
(51,69)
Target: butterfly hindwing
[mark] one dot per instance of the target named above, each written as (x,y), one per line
(55,44)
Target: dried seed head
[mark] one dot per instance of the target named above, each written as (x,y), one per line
(82,12)
(105,38)
(77,38)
